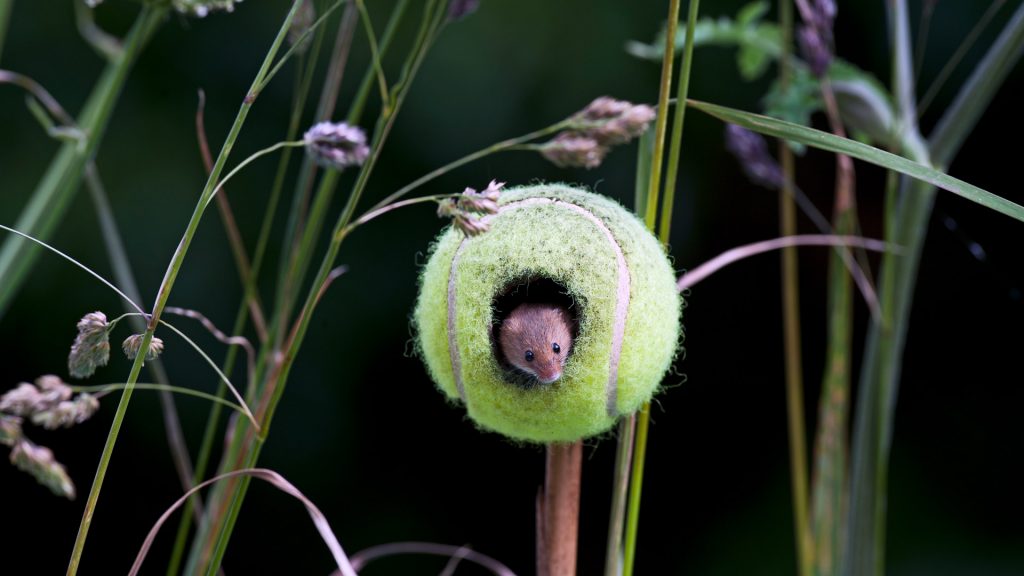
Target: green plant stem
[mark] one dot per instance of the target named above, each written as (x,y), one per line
(278,376)
(165,291)
(635,485)
(620,484)
(661,122)
(55,191)
(882,358)
(791,323)
(650,219)
(675,142)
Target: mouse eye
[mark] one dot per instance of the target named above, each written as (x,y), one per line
(556,348)
(529,355)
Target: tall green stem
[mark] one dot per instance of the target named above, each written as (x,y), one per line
(791,322)
(165,290)
(55,191)
(650,218)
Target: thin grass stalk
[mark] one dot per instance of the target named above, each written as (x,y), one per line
(650,219)
(828,487)
(620,488)
(661,121)
(278,377)
(627,426)
(635,485)
(53,194)
(165,291)
(791,322)
(675,142)
(869,478)
(829,483)
(125,278)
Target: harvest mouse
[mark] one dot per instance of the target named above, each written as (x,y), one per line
(536,339)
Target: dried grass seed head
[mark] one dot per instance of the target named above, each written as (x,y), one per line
(337,145)
(469,209)
(91,348)
(68,412)
(133,343)
(39,462)
(28,399)
(573,150)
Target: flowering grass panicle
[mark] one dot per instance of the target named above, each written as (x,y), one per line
(131,346)
(39,462)
(336,144)
(91,348)
(593,131)
(468,210)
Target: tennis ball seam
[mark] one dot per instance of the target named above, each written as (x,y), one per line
(622,299)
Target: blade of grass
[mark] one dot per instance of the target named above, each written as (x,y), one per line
(825,141)
(53,195)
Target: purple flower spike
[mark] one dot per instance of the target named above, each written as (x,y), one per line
(337,145)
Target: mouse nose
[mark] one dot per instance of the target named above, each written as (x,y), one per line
(550,374)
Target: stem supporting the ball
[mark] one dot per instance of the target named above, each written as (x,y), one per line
(558,508)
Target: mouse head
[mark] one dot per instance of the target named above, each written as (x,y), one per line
(537,339)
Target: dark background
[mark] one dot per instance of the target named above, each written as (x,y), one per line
(363,432)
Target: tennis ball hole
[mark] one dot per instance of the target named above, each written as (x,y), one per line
(533,289)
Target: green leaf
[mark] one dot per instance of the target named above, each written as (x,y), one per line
(795,103)
(751,14)
(759,43)
(864,104)
(825,141)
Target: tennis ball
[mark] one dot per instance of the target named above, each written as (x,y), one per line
(579,249)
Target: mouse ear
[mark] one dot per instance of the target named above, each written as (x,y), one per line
(619,282)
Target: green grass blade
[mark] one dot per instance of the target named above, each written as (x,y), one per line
(825,141)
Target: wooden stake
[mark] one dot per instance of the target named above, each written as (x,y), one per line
(558,511)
